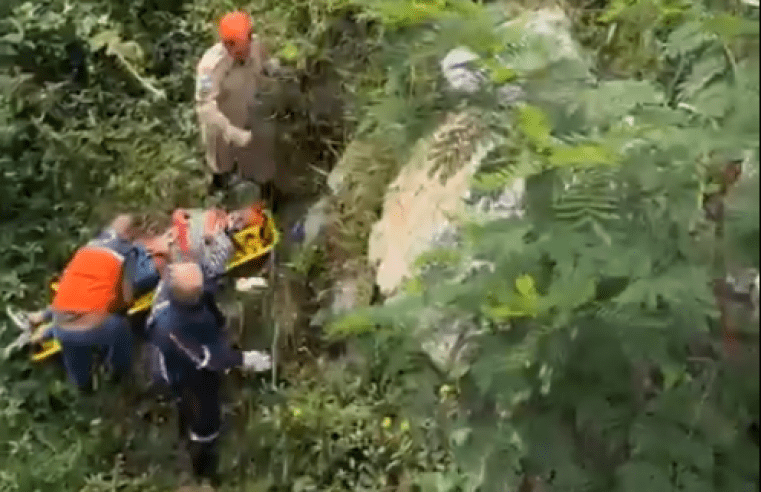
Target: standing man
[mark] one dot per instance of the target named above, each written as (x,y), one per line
(229,77)
(186,329)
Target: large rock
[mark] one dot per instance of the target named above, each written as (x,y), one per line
(422,207)
(459,73)
(545,37)
(315,221)
(422,204)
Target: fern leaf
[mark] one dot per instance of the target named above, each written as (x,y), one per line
(508,170)
(711,65)
(742,218)
(454,144)
(590,196)
(533,123)
(613,100)
(582,155)
(687,38)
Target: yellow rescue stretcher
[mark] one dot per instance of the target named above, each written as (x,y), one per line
(253,244)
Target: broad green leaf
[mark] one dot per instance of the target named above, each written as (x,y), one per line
(571,478)
(533,123)
(712,101)
(502,75)
(686,38)
(525,286)
(696,482)
(289,52)
(582,155)
(729,26)
(569,292)
(640,476)
(504,312)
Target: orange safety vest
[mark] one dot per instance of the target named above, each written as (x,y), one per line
(91,282)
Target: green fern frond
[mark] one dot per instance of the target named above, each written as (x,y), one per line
(591,194)
(711,65)
(503,166)
(612,100)
(454,144)
(742,218)
(687,39)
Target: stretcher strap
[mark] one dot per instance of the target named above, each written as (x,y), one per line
(181,227)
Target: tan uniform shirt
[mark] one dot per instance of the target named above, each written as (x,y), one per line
(225,94)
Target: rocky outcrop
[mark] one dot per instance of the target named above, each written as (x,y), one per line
(422,204)
(426,203)
(431,194)
(544,37)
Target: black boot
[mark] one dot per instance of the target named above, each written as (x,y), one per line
(271,195)
(182,424)
(218,183)
(205,461)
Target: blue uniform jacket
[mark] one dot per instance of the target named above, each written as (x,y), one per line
(189,337)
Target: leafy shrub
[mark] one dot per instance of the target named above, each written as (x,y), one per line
(336,431)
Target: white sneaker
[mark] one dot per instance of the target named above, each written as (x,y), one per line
(249,284)
(20,342)
(19,318)
(256,361)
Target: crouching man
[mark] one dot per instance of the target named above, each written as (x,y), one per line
(186,326)
(88,311)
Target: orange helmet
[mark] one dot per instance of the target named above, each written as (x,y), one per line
(235,27)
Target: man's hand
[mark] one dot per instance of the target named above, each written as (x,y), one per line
(256,361)
(124,226)
(240,137)
(271,67)
(215,222)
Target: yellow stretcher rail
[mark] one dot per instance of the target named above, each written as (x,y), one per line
(253,243)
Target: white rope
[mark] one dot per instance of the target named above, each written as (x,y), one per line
(273,317)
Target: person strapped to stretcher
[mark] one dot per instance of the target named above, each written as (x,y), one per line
(249,229)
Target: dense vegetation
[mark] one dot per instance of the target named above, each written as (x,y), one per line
(591,355)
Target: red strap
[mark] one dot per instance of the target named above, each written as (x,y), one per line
(214,221)
(180,221)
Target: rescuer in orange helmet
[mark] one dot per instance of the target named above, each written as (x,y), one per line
(229,77)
